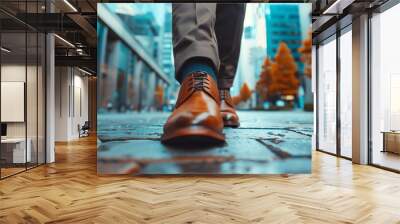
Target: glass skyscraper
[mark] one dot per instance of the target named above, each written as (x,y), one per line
(283,24)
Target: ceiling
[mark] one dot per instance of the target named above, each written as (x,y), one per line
(75,21)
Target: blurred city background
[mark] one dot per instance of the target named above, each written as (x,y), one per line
(136,67)
(137,90)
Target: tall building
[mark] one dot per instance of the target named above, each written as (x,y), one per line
(283,23)
(252,52)
(167,55)
(167,44)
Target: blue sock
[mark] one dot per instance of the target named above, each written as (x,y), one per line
(196,66)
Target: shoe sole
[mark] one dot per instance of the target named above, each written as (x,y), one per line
(231,124)
(193,135)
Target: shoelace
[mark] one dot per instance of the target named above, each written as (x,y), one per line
(198,82)
(224,94)
(199,79)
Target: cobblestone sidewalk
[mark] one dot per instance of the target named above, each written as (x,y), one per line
(266,143)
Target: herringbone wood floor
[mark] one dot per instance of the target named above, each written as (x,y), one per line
(69,191)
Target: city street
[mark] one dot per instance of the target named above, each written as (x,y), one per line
(266,143)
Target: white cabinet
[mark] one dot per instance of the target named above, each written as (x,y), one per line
(17,148)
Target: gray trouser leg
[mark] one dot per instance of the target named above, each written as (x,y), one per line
(208,30)
(229,29)
(193,33)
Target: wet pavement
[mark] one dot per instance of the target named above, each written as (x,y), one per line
(266,143)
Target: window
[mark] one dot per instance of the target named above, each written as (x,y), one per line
(346,94)
(327,96)
(385,89)
(22,77)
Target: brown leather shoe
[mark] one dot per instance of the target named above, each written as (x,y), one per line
(197,115)
(228,112)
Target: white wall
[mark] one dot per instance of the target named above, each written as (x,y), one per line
(62,82)
(79,117)
(16,73)
(13,101)
(71,94)
(33,126)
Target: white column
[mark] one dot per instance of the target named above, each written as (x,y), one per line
(314,93)
(50,98)
(360,90)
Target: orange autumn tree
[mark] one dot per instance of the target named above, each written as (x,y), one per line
(159,96)
(245,92)
(305,52)
(265,80)
(244,95)
(284,73)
